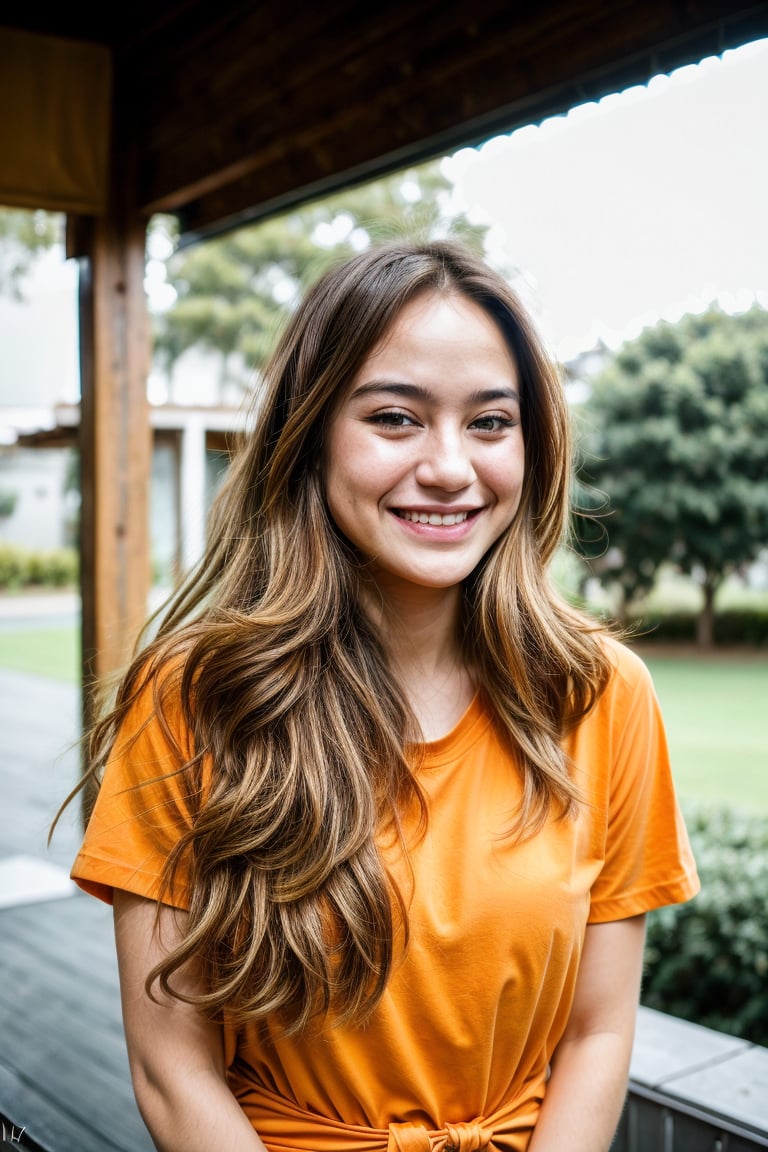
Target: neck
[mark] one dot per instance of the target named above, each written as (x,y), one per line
(420,633)
(417,625)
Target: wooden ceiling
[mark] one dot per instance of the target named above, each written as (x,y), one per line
(230,111)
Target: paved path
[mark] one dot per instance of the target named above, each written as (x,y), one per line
(38,606)
(38,610)
(39,763)
(40,603)
(64,1073)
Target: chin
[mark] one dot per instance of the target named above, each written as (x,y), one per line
(437,582)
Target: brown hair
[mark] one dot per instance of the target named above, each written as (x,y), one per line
(284,684)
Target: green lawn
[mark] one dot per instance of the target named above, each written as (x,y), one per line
(53,652)
(715,710)
(716,714)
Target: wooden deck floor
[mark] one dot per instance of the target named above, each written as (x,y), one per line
(64,1078)
(64,1074)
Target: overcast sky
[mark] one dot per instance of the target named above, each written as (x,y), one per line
(651,203)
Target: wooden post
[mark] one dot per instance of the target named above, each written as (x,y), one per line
(115,442)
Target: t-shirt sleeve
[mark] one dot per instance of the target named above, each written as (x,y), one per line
(647,858)
(141,810)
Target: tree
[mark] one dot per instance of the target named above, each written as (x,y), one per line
(23,237)
(232,293)
(673,464)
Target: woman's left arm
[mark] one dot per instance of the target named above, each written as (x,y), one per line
(590,1067)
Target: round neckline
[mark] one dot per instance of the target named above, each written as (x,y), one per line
(445,749)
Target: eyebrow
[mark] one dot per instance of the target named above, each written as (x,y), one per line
(416,392)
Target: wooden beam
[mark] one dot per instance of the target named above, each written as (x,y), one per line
(266,107)
(115,444)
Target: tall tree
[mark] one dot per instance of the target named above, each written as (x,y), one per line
(23,237)
(232,293)
(674,456)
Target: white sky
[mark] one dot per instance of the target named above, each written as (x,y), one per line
(652,203)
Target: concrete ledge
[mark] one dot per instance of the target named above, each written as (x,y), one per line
(693,1089)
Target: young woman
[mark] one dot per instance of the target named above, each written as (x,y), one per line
(380,815)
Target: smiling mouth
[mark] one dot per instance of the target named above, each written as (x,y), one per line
(436,519)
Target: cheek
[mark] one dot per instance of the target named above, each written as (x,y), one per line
(505,477)
(359,470)
(334,468)
(349,486)
(339,498)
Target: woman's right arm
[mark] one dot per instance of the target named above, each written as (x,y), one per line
(176,1056)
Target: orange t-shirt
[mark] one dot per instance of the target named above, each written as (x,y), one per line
(457,1052)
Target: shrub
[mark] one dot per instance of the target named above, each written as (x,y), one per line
(14,566)
(36,568)
(733,626)
(742,626)
(707,960)
(22,568)
(60,567)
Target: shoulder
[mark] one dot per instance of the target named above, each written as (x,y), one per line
(628,670)
(627,699)
(153,714)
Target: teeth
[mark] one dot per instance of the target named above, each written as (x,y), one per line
(435,518)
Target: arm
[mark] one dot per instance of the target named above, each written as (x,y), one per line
(176,1056)
(590,1067)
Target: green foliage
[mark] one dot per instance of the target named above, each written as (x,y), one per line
(13,566)
(707,960)
(673,466)
(746,627)
(8,500)
(233,293)
(24,568)
(23,237)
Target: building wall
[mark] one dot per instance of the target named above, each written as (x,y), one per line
(44,511)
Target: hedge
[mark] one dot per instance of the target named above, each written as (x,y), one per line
(707,960)
(734,626)
(24,568)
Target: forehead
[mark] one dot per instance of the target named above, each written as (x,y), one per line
(447,328)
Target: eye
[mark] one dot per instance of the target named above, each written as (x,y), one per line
(392,419)
(493,422)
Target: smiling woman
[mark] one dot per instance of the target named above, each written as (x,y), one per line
(375,803)
(425,458)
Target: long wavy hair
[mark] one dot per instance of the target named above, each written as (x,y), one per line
(283,681)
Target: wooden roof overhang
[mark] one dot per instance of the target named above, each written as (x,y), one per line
(228,112)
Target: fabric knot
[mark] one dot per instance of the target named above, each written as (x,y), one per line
(467,1137)
(408,1138)
(473,1137)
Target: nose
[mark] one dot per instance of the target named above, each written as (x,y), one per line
(445,461)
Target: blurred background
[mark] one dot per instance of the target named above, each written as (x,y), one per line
(635,230)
